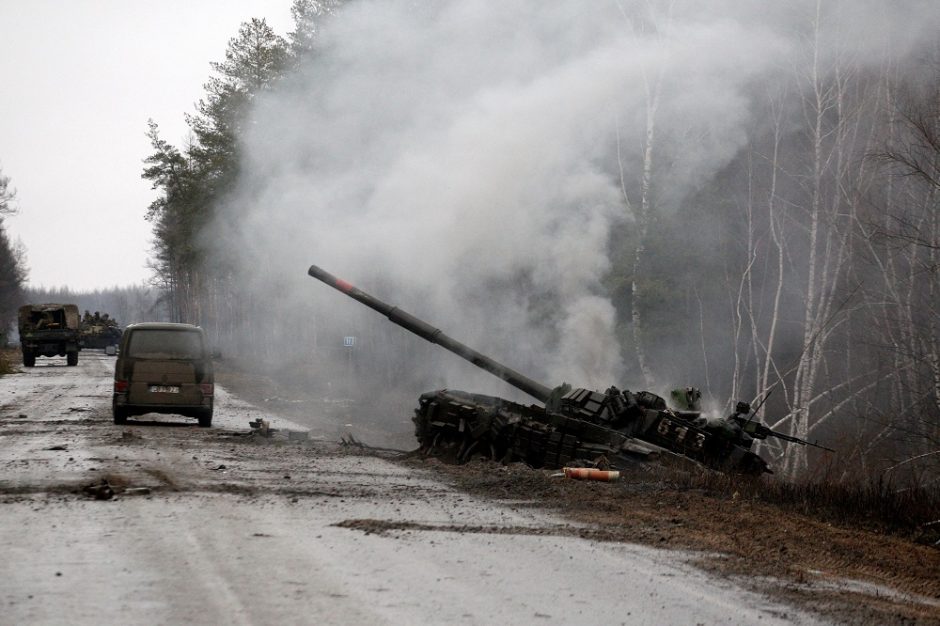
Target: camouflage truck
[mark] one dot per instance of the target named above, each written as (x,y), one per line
(49,330)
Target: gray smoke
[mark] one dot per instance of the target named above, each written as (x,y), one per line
(462,158)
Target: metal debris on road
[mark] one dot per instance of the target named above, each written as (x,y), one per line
(262,426)
(100,491)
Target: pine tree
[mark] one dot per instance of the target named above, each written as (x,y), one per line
(12,263)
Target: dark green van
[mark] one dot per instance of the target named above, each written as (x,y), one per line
(163,368)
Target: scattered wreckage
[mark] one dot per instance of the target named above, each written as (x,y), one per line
(576,425)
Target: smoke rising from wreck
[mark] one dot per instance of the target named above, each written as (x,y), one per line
(467,161)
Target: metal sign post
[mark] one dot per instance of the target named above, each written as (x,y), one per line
(349,343)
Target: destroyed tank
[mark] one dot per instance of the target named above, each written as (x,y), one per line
(574,425)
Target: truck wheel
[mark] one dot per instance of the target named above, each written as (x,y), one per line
(29,359)
(72,358)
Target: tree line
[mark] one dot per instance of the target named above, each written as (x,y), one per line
(13,270)
(805,273)
(126,305)
(192,182)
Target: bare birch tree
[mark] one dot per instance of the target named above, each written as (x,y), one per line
(645,25)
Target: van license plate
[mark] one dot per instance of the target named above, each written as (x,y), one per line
(164,389)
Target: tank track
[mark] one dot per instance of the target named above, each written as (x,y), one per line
(460,425)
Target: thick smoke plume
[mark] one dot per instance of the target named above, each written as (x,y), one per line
(471,162)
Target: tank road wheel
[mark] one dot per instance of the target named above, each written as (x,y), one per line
(72,359)
(29,359)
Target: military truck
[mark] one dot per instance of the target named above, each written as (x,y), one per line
(49,330)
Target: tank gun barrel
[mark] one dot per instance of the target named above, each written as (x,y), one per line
(435,335)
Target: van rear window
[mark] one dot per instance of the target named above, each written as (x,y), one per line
(166,344)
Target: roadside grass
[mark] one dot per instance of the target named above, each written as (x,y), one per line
(911,511)
(9,357)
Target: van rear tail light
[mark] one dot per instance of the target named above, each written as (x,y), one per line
(207,388)
(120,386)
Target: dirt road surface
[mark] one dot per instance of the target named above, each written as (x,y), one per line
(218,525)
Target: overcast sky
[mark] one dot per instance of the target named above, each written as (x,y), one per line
(78,81)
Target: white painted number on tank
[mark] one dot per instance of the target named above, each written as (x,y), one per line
(677,433)
(681,433)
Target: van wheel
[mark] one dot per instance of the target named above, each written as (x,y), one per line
(29,359)
(72,358)
(120,415)
(205,419)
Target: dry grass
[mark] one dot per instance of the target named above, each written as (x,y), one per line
(910,511)
(9,360)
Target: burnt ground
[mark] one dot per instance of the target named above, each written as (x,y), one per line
(847,572)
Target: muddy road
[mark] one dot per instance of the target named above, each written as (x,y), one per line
(221,526)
